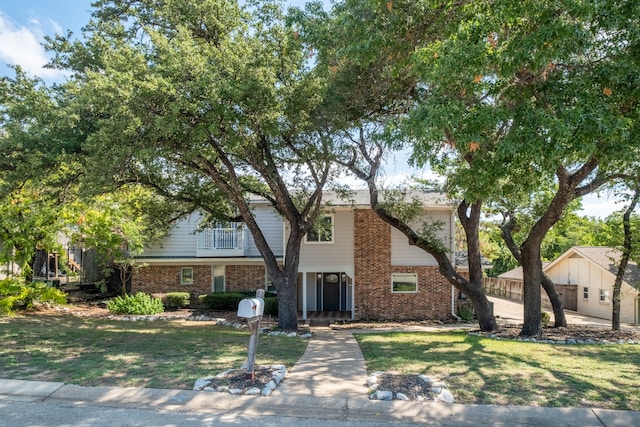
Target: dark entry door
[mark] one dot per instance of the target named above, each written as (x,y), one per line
(331,292)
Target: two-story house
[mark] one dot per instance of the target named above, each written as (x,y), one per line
(356,264)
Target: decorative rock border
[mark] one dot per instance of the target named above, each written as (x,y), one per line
(569,341)
(439,391)
(277,375)
(198,318)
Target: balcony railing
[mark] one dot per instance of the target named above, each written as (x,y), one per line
(221,242)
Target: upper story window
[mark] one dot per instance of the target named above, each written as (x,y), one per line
(322,232)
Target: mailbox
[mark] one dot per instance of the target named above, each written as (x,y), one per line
(251,307)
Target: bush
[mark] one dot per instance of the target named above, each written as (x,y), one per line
(545,318)
(223,301)
(15,295)
(465,312)
(271,306)
(139,303)
(228,301)
(176,300)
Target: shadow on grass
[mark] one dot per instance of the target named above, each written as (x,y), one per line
(159,354)
(482,370)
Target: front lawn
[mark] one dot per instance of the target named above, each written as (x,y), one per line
(156,354)
(484,370)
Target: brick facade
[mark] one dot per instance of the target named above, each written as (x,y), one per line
(373,297)
(166,278)
(244,277)
(373,269)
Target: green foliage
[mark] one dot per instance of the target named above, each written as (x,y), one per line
(270,306)
(465,312)
(223,300)
(14,295)
(176,300)
(545,318)
(139,303)
(228,301)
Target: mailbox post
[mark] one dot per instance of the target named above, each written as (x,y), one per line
(252,310)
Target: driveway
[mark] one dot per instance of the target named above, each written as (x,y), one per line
(513,312)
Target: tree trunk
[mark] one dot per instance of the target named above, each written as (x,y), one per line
(532,273)
(286,283)
(626,254)
(469,216)
(560,320)
(506,229)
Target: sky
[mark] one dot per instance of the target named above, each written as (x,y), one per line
(25,23)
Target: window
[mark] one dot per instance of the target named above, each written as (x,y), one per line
(585,292)
(217,273)
(322,232)
(186,276)
(404,283)
(604,296)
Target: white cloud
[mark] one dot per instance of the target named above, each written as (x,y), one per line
(21,46)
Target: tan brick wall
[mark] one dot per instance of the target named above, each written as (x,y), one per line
(373,296)
(166,278)
(160,279)
(244,277)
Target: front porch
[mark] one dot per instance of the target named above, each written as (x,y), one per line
(325,318)
(325,296)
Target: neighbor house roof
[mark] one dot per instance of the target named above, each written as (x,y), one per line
(606,258)
(517,273)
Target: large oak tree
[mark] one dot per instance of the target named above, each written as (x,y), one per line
(207,102)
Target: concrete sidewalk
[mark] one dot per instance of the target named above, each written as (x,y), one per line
(326,385)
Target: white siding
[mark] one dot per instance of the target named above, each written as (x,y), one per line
(337,256)
(404,254)
(586,274)
(271,225)
(181,241)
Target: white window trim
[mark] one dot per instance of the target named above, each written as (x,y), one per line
(585,292)
(605,297)
(182,276)
(322,242)
(415,275)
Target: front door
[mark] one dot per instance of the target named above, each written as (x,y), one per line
(331,292)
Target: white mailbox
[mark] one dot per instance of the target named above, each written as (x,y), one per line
(251,307)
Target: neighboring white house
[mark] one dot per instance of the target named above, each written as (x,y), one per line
(584,278)
(593,270)
(360,265)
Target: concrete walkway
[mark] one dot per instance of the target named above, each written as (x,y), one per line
(331,366)
(326,387)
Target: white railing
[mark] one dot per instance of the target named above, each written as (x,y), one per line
(221,239)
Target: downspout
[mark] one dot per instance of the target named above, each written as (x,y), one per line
(453,304)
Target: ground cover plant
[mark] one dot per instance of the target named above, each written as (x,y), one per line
(485,370)
(155,354)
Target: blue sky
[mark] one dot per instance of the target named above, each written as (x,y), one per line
(25,23)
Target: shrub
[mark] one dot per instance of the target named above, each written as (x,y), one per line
(176,300)
(139,303)
(545,318)
(228,301)
(15,295)
(224,301)
(271,306)
(465,312)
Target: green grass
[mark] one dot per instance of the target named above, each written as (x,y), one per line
(157,354)
(483,370)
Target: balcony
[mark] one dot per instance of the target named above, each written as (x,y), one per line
(221,242)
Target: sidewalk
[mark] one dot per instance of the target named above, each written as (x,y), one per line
(326,384)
